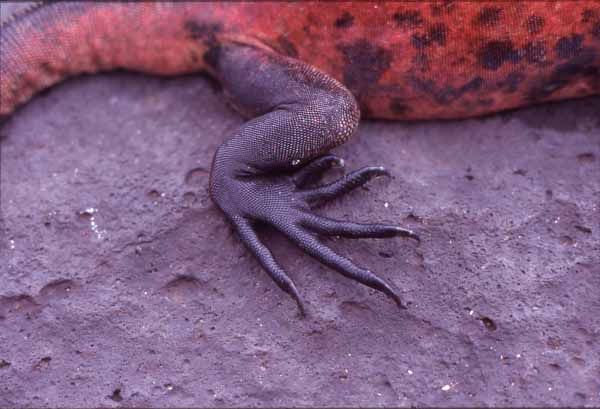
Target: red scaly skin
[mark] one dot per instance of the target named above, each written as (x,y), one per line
(407,60)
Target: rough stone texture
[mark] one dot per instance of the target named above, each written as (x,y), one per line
(123,285)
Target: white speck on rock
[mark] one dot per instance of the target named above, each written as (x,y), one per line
(446,388)
(95,228)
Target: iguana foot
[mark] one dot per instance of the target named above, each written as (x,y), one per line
(285,202)
(263,172)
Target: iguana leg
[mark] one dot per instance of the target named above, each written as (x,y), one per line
(261,172)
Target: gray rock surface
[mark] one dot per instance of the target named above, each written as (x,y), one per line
(122,284)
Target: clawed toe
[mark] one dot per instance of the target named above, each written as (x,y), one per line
(341,264)
(329,227)
(351,181)
(265,258)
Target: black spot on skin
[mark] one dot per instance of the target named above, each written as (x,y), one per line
(451,93)
(409,19)
(345,20)
(203,31)
(446,94)
(427,86)
(473,85)
(535,52)
(535,24)
(435,34)
(438,34)
(588,15)
(582,66)
(398,106)
(512,81)
(488,16)
(287,46)
(364,63)
(496,53)
(420,41)
(569,47)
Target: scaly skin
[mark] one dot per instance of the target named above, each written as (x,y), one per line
(304,72)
